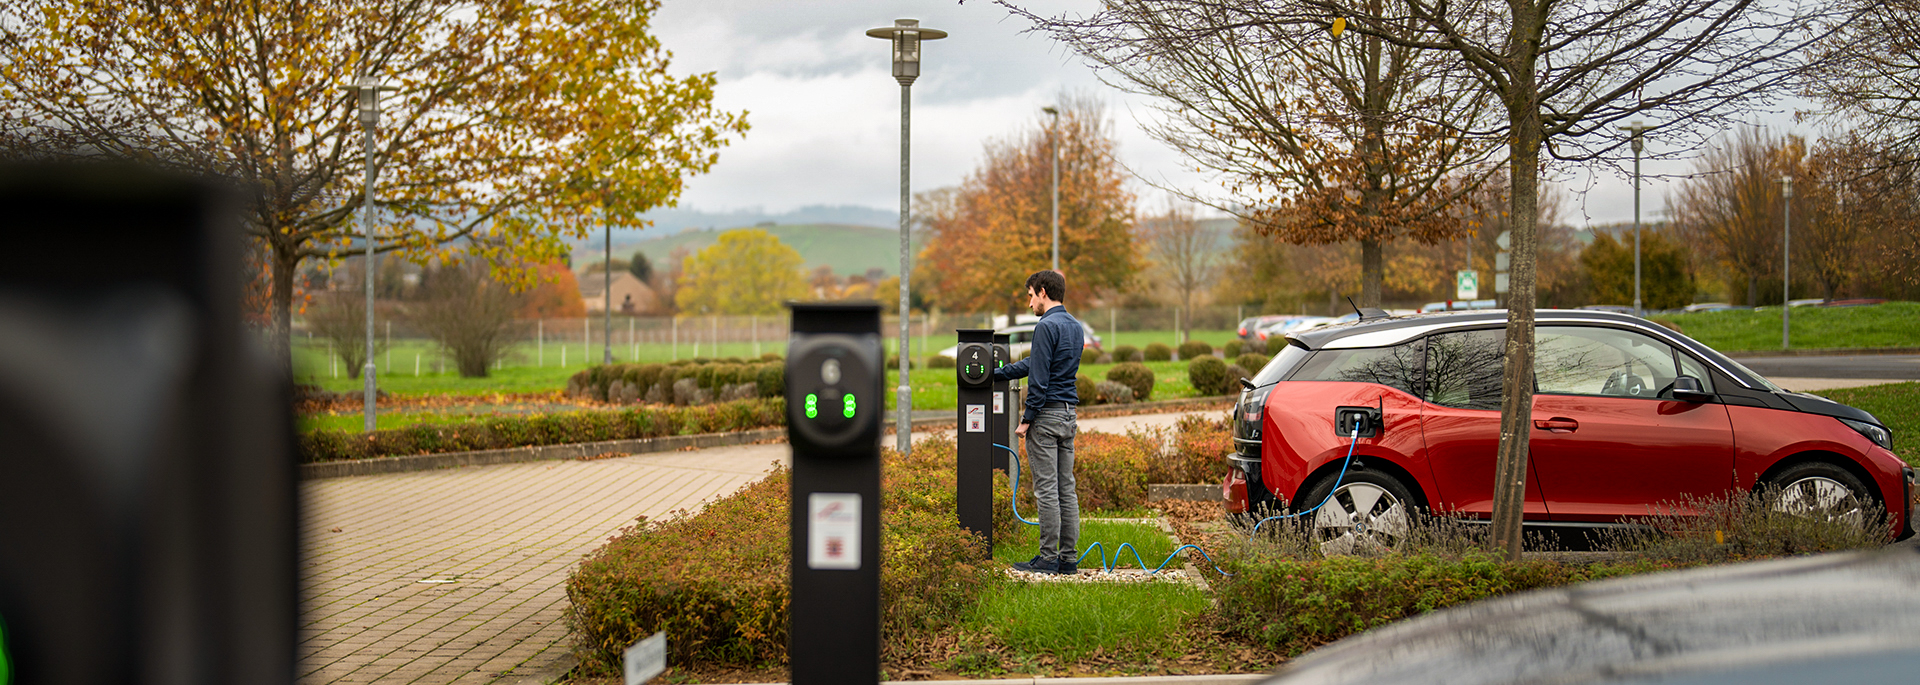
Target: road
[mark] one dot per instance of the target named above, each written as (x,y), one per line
(1888,367)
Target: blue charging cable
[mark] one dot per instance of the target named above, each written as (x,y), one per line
(1013,503)
(1336,484)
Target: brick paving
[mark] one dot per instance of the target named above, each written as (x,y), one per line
(459,575)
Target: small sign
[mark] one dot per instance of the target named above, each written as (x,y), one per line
(976,418)
(999,403)
(1504,240)
(1500,282)
(646,659)
(1466,285)
(1503,261)
(833,531)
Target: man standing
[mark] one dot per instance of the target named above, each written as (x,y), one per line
(1049,422)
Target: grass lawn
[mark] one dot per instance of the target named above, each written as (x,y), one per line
(1894,324)
(1125,622)
(1897,404)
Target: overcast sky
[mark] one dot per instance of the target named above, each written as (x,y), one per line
(825,109)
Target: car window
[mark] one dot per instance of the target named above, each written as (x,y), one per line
(1022,337)
(1463,368)
(1692,367)
(1282,363)
(1584,360)
(1397,367)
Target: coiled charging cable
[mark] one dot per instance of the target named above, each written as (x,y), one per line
(1013,504)
(1336,484)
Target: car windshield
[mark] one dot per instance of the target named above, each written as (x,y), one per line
(1282,363)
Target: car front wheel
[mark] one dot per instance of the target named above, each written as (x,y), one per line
(1369,512)
(1820,490)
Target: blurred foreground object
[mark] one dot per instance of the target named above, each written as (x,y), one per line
(147,499)
(1835,618)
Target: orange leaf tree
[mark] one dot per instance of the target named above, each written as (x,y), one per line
(517,122)
(989,234)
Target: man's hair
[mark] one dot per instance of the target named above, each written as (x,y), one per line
(1049,282)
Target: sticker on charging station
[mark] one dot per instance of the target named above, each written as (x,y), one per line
(999,403)
(976,418)
(833,531)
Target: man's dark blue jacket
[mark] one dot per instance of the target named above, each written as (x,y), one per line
(1057,340)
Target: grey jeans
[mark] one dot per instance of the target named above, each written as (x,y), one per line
(1050,456)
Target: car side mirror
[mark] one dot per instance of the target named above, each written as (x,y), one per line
(1244,383)
(1687,389)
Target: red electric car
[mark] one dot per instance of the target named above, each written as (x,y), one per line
(1627,415)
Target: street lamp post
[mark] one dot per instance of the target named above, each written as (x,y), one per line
(606,327)
(1786,262)
(1636,131)
(1053,150)
(905,35)
(368,89)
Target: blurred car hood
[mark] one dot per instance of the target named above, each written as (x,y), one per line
(1841,618)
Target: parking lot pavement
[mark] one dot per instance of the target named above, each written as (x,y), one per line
(458,575)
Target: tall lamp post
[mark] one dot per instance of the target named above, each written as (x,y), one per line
(368,89)
(1636,131)
(1786,262)
(606,326)
(1053,150)
(905,35)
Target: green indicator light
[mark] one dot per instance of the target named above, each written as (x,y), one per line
(813,405)
(847,406)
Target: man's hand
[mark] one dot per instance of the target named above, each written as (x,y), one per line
(1022,430)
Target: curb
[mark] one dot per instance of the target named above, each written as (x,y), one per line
(514,455)
(1193,493)
(1826,352)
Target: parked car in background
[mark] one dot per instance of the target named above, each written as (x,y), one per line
(1615,308)
(1711,307)
(1020,340)
(1627,415)
(1457,305)
(1252,326)
(1284,326)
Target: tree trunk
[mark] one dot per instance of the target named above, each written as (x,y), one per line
(1516,408)
(1753,288)
(1372,272)
(285,260)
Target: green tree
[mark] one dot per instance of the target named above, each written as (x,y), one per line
(641,267)
(747,272)
(517,123)
(1665,281)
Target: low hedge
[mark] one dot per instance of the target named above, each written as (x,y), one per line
(1127,353)
(1195,349)
(653,383)
(1290,605)
(1208,375)
(717,583)
(563,428)
(1133,375)
(1233,348)
(1252,361)
(1157,352)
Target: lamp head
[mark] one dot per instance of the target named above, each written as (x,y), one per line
(906,35)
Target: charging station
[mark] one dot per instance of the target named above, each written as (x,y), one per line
(835,373)
(974,442)
(1006,404)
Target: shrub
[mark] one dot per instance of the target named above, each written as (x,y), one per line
(893,363)
(1104,358)
(940,361)
(1198,453)
(1133,375)
(1110,392)
(1110,471)
(1255,344)
(716,581)
(1126,353)
(1195,349)
(703,378)
(772,379)
(501,432)
(1233,348)
(1083,386)
(1157,352)
(1235,372)
(1208,374)
(1252,361)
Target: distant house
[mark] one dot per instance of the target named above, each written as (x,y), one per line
(630,296)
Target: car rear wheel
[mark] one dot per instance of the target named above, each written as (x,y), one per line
(1368,513)
(1820,490)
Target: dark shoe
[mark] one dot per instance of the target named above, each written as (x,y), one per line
(1036,565)
(1067,567)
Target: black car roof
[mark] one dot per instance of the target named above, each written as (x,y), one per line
(1321,337)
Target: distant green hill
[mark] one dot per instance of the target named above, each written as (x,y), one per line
(849,250)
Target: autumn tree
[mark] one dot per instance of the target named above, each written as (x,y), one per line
(1183,254)
(988,235)
(1730,209)
(748,271)
(555,295)
(1319,139)
(340,318)
(517,123)
(1666,282)
(470,314)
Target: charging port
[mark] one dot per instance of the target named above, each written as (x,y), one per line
(1367,419)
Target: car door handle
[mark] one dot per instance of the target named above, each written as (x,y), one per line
(1557,424)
